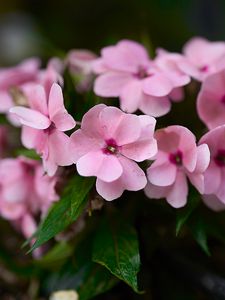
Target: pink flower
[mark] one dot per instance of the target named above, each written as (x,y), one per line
(80,65)
(14,77)
(109,144)
(44,125)
(18,177)
(214,194)
(127,72)
(211,100)
(203,58)
(178,158)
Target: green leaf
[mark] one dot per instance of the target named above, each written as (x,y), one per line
(199,231)
(80,273)
(116,248)
(56,256)
(65,211)
(97,280)
(183,214)
(28,153)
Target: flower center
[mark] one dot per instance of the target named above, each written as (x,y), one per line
(223,99)
(204,69)
(220,158)
(141,73)
(176,158)
(111,147)
(50,128)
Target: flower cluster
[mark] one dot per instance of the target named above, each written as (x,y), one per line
(110,142)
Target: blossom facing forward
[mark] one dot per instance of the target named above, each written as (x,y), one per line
(202,58)
(127,72)
(178,158)
(109,144)
(211,100)
(44,124)
(214,194)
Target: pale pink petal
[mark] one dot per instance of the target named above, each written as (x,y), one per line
(212,178)
(81,144)
(131,96)
(30,117)
(63,121)
(36,98)
(203,158)
(109,120)
(59,150)
(177,196)
(28,225)
(133,177)
(111,84)
(162,175)
(140,150)
(92,117)
(110,190)
(6,102)
(11,211)
(177,94)
(213,202)
(96,163)
(32,138)
(155,106)
(123,128)
(128,130)
(156,192)
(55,102)
(157,85)
(197,179)
(126,56)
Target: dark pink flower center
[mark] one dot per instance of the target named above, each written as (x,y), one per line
(223,99)
(204,69)
(50,128)
(176,158)
(220,158)
(142,73)
(111,147)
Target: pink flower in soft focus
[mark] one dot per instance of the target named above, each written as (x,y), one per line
(44,124)
(203,58)
(170,62)
(211,100)
(127,72)
(178,158)
(25,192)
(3,140)
(13,77)
(80,66)
(214,194)
(109,144)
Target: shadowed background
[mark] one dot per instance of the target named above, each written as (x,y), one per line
(34,27)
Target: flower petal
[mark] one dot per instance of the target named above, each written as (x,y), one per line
(30,117)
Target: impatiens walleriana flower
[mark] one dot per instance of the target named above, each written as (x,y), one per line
(44,124)
(14,77)
(109,144)
(214,194)
(18,177)
(211,100)
(80,63)
(178,158)
(127,72)
(203,58)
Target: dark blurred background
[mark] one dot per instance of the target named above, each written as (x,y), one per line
(51,27)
